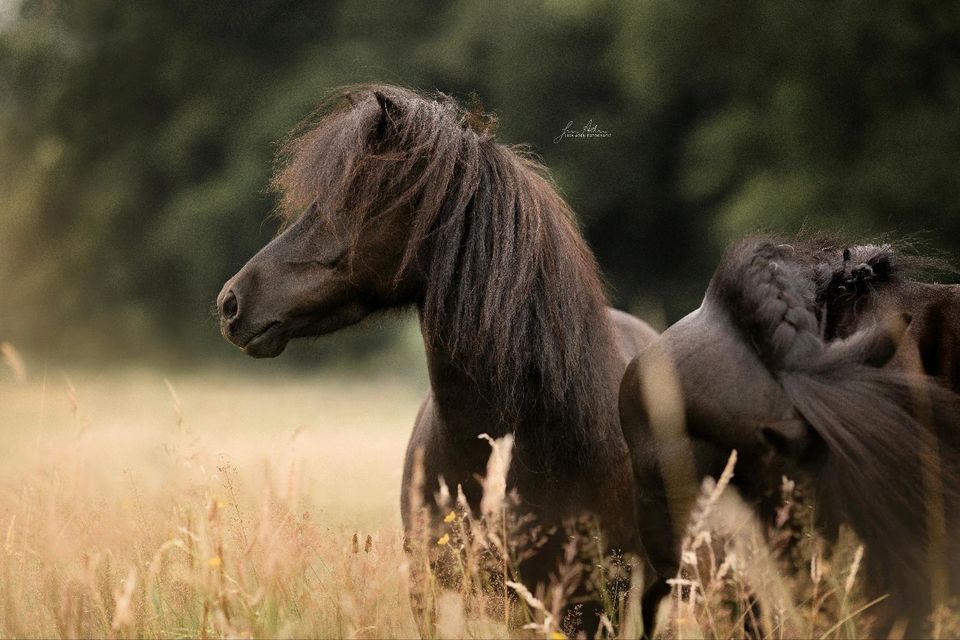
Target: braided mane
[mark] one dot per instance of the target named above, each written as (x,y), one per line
(790,299)
(772,296)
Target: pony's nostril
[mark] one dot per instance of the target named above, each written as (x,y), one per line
(229,307)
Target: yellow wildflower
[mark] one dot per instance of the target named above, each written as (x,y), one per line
(444,539)
(450,517)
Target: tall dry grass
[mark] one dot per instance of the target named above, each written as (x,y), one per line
(222,505)
(211,507)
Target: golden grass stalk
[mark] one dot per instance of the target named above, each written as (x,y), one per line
(495,482)
(14,361)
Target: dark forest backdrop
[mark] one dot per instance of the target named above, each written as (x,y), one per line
(136,138)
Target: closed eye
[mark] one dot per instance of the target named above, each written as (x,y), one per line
(333,260)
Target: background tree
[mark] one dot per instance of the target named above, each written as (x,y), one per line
(136,139)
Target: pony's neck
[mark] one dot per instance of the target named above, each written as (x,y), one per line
(558,441)
(465,408)
(469,403)
(513,311)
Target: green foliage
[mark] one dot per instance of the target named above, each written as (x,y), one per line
(136,139)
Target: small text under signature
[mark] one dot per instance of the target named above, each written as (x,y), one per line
(589,130)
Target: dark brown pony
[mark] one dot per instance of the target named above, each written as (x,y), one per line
(832,363)
(393,200)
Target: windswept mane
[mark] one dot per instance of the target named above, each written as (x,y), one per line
(892,464)
(512,291)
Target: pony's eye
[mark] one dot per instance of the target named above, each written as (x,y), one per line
(327,262)
(336,261)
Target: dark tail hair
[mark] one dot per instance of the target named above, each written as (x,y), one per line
(891,469)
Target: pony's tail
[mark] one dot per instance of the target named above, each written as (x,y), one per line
(891,438)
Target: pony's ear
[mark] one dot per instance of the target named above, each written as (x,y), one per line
(792,438)
(388,112)
(873,346)
(386,104)
(388,108)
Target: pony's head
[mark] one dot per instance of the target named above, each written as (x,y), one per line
(363,187)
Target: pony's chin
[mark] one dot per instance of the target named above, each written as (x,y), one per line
(269,343)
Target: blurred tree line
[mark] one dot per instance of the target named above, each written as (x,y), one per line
(136,138)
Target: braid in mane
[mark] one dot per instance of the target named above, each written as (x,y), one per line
(772,298)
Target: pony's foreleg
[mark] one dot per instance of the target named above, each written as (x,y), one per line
(422,596)
(432,570)
(661,548)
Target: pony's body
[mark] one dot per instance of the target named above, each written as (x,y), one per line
(555,482)
(396,200)
(799,359)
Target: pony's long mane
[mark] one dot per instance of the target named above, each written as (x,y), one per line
(891,437)
(512,291)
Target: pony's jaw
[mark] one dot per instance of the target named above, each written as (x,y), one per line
(347,314)
(272,339)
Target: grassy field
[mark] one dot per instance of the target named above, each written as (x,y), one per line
(225,504)
(217,503)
